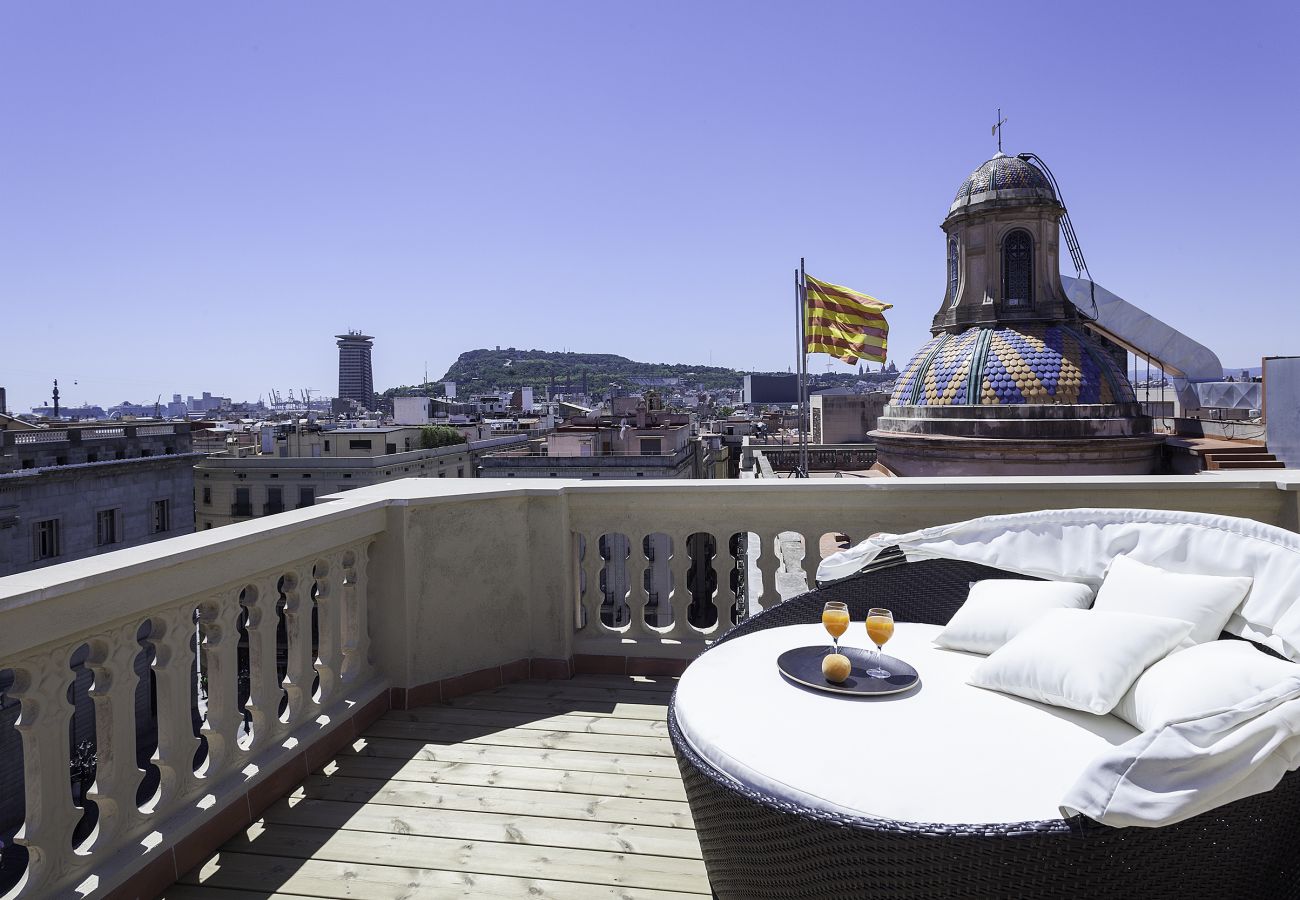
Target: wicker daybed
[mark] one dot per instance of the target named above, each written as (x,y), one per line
(756,845)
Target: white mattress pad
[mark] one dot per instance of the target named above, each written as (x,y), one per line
(943,753)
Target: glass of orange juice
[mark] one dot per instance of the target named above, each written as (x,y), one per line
(880,628)
(835,618)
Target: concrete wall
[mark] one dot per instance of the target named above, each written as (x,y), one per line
(1282,408)
(845,418)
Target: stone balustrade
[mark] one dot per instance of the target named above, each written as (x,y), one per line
(420,590)
(205,680)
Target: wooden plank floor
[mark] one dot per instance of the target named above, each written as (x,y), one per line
(540,789)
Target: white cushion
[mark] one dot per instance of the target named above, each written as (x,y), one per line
(1207,601)
(997,610)
(1079,658)
(1200,680)
(945,752)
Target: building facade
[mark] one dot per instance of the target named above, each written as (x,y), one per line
(74,492)
(232,487)
(356,380)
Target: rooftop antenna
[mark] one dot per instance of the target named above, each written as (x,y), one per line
(997,129)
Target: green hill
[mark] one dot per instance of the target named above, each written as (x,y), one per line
(477,371)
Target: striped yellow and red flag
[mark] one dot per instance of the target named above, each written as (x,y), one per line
(844,323)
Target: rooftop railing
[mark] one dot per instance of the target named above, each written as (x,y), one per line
(201,691)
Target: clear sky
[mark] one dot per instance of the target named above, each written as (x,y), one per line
(199,196)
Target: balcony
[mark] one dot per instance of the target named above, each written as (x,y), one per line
(265,706)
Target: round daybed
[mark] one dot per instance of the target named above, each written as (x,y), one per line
(764,842)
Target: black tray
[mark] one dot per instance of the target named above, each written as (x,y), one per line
(803,665)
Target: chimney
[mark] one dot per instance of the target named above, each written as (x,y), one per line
(640,415)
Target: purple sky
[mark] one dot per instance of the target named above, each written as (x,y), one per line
(199,196)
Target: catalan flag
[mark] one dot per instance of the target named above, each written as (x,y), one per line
(844,323)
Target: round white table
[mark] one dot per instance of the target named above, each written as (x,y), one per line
(943,752)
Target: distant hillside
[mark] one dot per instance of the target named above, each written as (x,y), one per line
(478,371)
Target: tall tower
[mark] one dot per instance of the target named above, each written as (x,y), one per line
(1012,382)
(355,379)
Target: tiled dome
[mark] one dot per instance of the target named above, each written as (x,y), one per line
(1029,364)
(1005,173)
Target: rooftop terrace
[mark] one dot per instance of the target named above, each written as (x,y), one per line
(379,685)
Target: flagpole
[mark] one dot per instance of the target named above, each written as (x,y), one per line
(803,372)
(798,350)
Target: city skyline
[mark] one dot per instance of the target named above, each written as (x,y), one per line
(206,197)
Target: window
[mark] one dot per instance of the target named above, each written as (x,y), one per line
(358,445)
(106,527)
(1018,269)
(460,471)
(60,460)
(306,497)
(952,271)
(207,525)
(144,451)
(92,457)
(207,496)
(45,539)
(162,517)
(274,501)
(390,448)
(650,446)
(327,445)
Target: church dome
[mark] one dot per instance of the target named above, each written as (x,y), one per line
(1032,363)
(1004,177)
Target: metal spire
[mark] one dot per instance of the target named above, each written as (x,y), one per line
(997,129)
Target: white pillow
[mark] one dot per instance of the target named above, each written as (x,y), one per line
(1207,601)
(997,610)
(1079,658)
(1195,682)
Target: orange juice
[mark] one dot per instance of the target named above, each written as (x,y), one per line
(836,621)
(880,629)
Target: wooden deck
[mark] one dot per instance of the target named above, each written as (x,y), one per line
(539,789)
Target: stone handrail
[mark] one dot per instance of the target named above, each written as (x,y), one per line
(186,604)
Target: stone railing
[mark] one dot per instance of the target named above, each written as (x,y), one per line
(164,660)
(422,589)
(781,458)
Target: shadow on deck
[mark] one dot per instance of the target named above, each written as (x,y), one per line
(537,789)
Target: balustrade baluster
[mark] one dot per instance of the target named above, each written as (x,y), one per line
(219,628)
(329,623)
(173,640)
(355,644)
(769,563)
(638,597)
(356,636)
(41,686)
(592,597)
(681,596)
(117,776)
(264,692)
(297,622)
